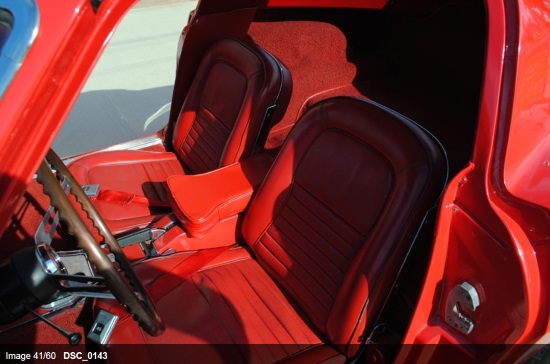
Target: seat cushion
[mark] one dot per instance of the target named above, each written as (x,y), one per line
(232,301)
(136,172)
(229,301)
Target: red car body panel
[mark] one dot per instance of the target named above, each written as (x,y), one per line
(493,227)
(68,43)
(486,233)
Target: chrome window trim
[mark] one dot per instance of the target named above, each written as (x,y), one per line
(25,28)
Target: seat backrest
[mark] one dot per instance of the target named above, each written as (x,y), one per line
(238,88)
(339,209)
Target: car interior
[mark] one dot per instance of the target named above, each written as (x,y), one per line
(292,204)
(238,89)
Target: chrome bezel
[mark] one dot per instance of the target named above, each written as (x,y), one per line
(50,260)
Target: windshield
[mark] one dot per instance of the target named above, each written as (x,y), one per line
(6,21)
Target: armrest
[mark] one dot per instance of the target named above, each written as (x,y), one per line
(201,201)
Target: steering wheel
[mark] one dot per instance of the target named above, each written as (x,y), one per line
(126,291)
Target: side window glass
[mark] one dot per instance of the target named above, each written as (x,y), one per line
(128,94)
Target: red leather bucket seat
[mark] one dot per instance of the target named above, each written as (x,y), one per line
(238,87)
(326,234)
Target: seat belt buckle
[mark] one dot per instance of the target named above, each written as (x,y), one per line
(91,190)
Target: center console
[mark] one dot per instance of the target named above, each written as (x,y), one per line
(207,210)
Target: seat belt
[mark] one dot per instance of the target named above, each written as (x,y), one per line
(181,272)
(126,198)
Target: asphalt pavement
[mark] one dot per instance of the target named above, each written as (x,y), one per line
(128,93)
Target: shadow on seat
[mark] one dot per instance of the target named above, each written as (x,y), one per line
(324,239)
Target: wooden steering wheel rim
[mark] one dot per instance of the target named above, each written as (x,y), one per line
(143,310)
